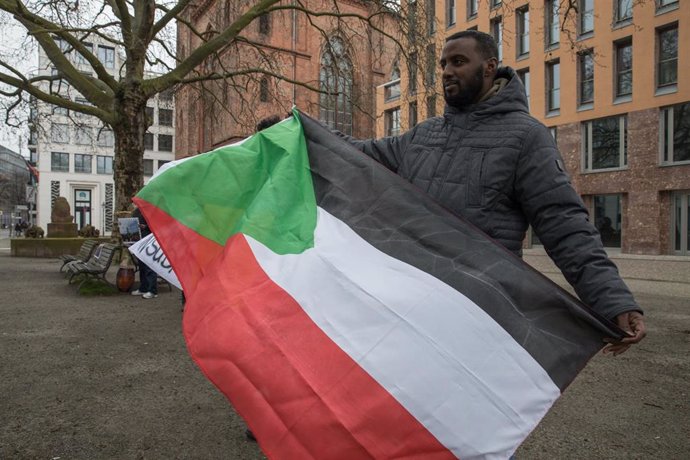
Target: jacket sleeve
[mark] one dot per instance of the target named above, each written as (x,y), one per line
(561,221)
(388,151)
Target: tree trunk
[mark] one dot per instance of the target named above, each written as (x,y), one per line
(128,163)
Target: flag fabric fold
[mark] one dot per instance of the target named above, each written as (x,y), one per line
(347,315)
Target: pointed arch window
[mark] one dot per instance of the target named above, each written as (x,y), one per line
(335,82)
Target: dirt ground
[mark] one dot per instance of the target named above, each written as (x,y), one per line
(110,378)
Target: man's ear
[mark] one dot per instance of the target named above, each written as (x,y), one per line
(490,67)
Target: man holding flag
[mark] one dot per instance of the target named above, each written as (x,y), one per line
(347,315)
(489,161)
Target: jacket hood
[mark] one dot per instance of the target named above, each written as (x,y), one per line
(510,98)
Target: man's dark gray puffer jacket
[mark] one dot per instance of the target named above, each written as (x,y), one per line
(499,168)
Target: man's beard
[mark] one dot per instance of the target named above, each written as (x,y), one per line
(467,93)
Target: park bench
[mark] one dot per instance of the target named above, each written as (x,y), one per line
(85,252)
(96,267)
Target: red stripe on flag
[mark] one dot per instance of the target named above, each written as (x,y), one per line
(302,395)
(188,252)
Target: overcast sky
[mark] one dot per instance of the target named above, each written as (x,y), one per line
(11,37)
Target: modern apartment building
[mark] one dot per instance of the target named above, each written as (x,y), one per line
(14,180)
(607,79)
(74,152)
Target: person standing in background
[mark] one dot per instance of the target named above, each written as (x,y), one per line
(148,279)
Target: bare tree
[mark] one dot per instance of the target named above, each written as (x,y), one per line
(144,31)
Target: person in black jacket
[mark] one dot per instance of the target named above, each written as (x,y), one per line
(148,279)
(492,163)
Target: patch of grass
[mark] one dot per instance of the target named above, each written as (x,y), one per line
(94,287)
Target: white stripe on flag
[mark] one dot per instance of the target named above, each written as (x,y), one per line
(441,356)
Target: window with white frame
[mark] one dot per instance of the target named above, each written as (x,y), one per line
(148,167)
(392,122)
(680,222)
(664,4)
(165,143)
(59,133)
(674,134)
(553,86)
(553,25)
(451,12)
(624,76)
(604,143)
(586,16)
(80,58)
(105,138)
(391,90)
(148,141)
(585,63)
(63,45)
(497,32)
(104,164)
(524,77)
(83,135)
(667,56)
(165,117)
(82,163)
(57,110)
(106,55)
(472,7)
(624,9)
(522,17)
(59,162)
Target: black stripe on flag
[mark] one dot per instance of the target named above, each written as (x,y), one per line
(394,216)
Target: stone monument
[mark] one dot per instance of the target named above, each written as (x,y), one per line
(61,225)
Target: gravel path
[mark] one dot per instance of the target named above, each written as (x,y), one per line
(110,378)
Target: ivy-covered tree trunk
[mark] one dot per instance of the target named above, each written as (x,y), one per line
(128,169)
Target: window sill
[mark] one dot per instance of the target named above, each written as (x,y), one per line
(671,164)
(622,99)
(585,107)
(522,57)
(553,113)
(668,89)
(605,170)
(585,36)
(667,9)
(621,24)
(552,47)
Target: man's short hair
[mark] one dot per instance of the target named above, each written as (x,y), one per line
(267,122)
(486,45)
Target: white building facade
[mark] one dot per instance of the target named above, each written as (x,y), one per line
(74,152)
